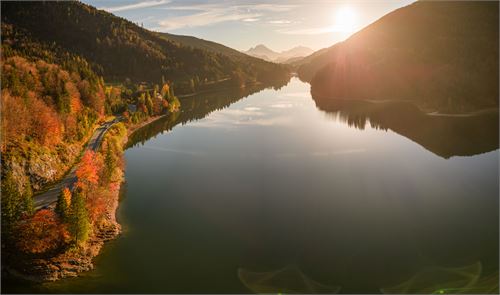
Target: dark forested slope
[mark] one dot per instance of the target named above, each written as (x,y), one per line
(441,55)
(118,49)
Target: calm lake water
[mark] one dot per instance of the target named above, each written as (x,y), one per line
(276,192)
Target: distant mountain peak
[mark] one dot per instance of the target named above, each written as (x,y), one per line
(260,47)
(263,52)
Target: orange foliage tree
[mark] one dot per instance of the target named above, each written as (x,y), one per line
(96,204)
(41,233)
(46,126)
(67,196)
(88,171)
(15,118)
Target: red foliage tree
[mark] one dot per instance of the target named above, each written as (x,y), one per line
(88,171)
(41,233)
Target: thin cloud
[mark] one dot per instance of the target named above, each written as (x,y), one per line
(256,7)
(211,13)
(270,7)
(250,19)
(138,5)
(194,6)
(280,22)
(204,19)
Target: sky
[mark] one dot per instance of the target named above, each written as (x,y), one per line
(280,25)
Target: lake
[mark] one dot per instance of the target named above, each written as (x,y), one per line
(273,191)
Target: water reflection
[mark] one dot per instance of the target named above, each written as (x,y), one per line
(270,181)
(197,107)
(445,136)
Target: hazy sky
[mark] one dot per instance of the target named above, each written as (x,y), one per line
(239,24)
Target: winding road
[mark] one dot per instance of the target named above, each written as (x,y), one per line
(49,197)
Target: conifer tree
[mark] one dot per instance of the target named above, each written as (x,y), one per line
(28,203)
(109,163)
(79,226)
(63,204)
(11,202)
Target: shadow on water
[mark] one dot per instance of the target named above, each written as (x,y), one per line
(444,135)
(198,107)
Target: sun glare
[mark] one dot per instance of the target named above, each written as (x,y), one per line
(345,20)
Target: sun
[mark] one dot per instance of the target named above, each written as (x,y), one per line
(345,20)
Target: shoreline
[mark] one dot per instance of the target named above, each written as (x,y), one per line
(427,112)
(72,262)
(133,128)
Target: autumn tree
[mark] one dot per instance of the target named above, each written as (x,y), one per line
(46,125)
(14,119)
(41,233)
(88,171)
(165,90)
(149,104)
(157,105)
(96,203)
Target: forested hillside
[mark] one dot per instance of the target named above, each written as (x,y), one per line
(441,55)
(51,100)
(66,67)
(56,57)
(118,49)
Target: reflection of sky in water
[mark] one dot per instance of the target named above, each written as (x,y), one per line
(271,181)
(295,113)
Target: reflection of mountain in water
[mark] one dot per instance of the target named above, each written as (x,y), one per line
(195,108)
(443,135)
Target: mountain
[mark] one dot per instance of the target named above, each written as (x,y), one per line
(119,50)
(193,42)
(440,55)
(296,52)
(55,58)
(261,51)
(209,46)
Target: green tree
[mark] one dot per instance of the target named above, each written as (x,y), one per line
(149,103)
(11,202)
(79,225)
(63,204)
(28,206)
(109,163)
